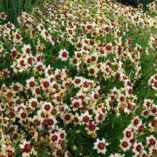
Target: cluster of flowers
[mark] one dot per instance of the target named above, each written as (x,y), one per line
(153,82)
(137,128)
(81,67)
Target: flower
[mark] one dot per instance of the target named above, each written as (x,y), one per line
(151,140)
(125,144)
(137,148)
(100,146)
(26,149)
(63,55)
(128,133)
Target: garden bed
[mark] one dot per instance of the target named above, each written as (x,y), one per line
(79,79)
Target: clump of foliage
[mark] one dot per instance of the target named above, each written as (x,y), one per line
(13,8)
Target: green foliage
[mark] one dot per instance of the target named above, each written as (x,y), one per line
(146,1)
(13,8)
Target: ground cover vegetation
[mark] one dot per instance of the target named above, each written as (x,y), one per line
(79,79)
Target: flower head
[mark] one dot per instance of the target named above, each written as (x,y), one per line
(63,55)
(100,146)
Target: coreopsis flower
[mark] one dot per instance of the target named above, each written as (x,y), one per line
(92,69)
(63,55)
(67,154)
(100,117)
(136,122)
(91,127)
(77,119)
(153,124)
(45,34)
(151,140)
(78,81)
(85,117)
(26,49)
(9,26)
(3,16)
(125,144)
(148,103)
(37,122)
(33,103)
(153,151)
(144,154)
(31,83)
(47,107)
(67,117)
(76,103)
(58,153)
(137,148)
(17,37)
(153,82)
(128,133)
(7,150)
(45,84)
(100,146)
(39,68)
(27,150)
